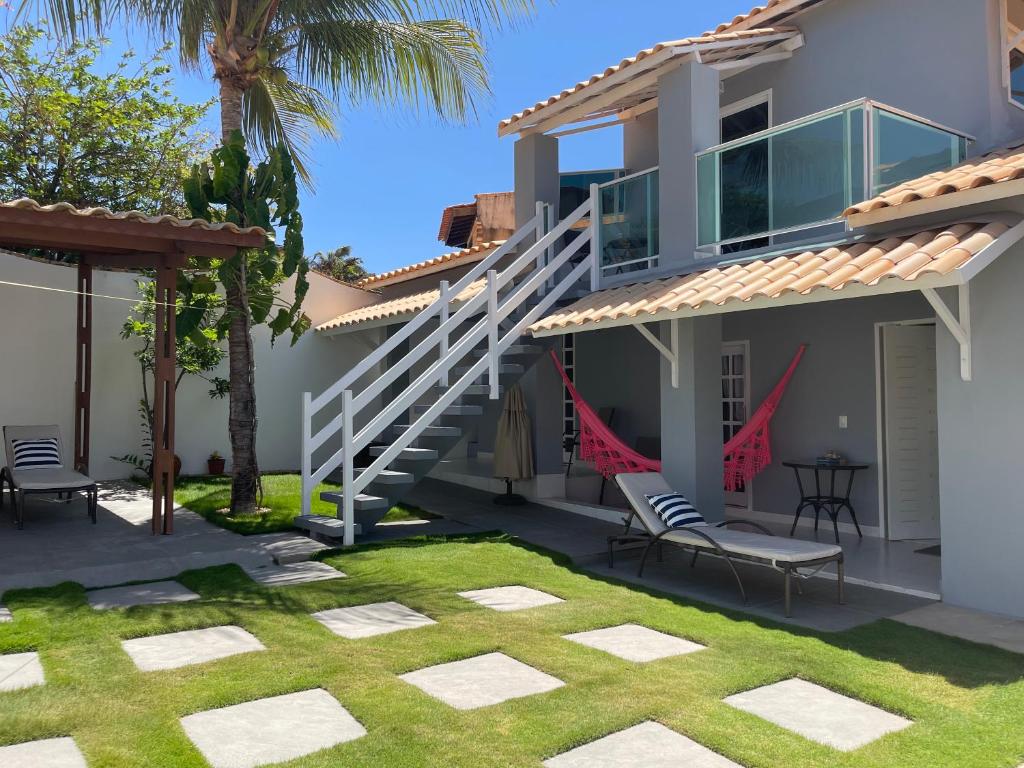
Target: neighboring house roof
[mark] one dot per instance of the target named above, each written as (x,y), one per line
(436,264)
(25,203)
(714,47)
(774,11)
(867,262)
(995,167)
(379,314)
(490,217)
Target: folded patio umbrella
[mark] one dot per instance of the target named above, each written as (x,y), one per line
(513,446)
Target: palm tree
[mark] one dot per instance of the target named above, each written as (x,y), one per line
(339,264)
(282,66)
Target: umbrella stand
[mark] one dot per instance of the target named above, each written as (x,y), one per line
(509,499)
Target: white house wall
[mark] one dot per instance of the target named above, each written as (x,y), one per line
(37,363)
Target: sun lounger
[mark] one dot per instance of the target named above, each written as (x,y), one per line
(41,468)
(719,540)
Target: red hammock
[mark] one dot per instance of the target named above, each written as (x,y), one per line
(745,455)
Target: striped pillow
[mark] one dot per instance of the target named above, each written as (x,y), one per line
(675,510)
(41,453)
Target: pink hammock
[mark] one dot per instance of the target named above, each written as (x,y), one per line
(747,454)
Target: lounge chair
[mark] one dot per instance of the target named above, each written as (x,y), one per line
(48,479)
(762,548)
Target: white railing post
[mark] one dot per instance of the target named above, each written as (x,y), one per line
(445,287)
(307,452)
(595,237)
(492,332)
(540,221)
(348,495)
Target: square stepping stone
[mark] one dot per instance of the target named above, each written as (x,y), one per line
(369,620)
(156,593)
(293,573)
(271,730)
(819,714)
(47,753)
(181,649)
(481,681)
(5,614)
(635,643)
(510,598)
(20,670)
(648,745)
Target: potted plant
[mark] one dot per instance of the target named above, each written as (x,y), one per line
(215,464)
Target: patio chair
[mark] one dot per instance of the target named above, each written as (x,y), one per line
(41,470)
(718,540)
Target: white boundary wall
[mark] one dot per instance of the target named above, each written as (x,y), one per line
(37,364)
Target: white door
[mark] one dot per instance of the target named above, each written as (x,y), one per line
(735,404)
(911,432)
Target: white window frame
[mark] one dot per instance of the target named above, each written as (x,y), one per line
(747,103)
(1010,38)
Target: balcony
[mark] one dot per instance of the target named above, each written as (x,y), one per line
(629,219)
(805,173)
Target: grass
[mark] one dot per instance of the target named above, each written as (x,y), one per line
(209,495)
(967,701)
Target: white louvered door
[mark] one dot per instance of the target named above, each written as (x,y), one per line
(911,432)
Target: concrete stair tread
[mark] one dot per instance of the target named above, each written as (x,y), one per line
(408,454)
(432,431)
(507,368)
(389,477)
(515,349)
(363,501)
(331,527)
(481,390)
(453,410)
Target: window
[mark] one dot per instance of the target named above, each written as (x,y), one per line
(747,117)
(1013,50)
(569,363)
(738,121)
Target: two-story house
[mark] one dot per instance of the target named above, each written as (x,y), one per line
(840,174)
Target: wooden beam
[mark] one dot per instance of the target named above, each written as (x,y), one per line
(164,363)
(83,366)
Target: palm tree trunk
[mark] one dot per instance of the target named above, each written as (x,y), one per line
(242,395)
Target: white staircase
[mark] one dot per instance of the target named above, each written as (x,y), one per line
(449,376)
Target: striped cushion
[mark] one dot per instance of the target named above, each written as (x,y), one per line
(675,510)
(36,454)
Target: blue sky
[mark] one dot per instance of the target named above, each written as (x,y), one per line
(382,187)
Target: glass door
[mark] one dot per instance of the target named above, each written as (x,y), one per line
(736,405)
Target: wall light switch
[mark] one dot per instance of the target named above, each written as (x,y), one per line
(843,422)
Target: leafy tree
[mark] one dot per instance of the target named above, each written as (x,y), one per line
(281,65)
(339,264)
(228,188)
(69,133)
(193,359)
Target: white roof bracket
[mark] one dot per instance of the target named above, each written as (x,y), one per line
(672,355)
(959,325)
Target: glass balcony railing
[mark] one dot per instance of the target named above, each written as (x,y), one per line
(628,236)
(806,172)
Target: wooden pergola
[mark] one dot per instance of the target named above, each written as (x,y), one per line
(130,241)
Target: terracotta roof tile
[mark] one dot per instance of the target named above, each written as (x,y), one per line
(26,203)
(995,167)
(396,307)
(771,11)
(475,253)
(743,40)
(939,250)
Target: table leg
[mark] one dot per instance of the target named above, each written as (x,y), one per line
(849,506)
(803,501)
(833,510)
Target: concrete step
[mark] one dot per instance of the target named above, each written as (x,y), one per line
(479,390)
(331,527)
(432,431)
(288,548)
(503,368)
(390,477)
(408,454)
(364,502)
(515,349)
(452,410)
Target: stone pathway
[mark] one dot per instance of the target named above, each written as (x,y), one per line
(481,681)
(154,593)
(293,573)
(819,714)
(371,620)
(182,649)
(986,628)
(271,730)
(635,643)
(20,670)
(648,745)
(287,548)
(510,598)
(48,753)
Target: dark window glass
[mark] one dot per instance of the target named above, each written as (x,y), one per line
(743,123)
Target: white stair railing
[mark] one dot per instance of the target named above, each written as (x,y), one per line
(536,292)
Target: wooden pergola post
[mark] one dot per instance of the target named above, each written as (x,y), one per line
(83,366)
(163,399)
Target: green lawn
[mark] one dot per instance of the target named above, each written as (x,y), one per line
(967,701)
(207,496)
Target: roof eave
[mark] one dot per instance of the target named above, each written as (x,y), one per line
(940,204)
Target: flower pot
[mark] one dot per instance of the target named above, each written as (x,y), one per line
(215,466)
